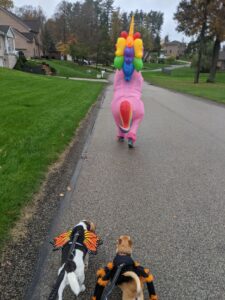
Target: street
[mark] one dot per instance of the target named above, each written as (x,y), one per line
(168,194)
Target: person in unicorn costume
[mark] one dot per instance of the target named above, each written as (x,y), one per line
(127,106)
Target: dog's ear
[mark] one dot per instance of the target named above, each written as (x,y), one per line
(87,224)
(130,242)
(119,241)
(92,227)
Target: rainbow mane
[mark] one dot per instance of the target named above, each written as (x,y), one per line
(129,52)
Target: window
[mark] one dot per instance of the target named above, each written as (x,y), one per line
(10,45)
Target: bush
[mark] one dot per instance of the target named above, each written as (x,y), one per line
(154,58)
(161,61)
(53,70)
(21,61)
(170,60)
(28,65)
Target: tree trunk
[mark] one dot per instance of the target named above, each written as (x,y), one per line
(201,45)
(198,67)
(216,51)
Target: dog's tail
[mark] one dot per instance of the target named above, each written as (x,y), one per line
(137,281)
(70,268)
(54,291)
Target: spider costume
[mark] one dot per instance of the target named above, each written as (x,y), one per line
(105,275)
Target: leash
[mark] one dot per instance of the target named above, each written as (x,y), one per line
(54,292)
(109,288)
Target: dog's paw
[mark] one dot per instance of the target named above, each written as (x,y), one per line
(83,288)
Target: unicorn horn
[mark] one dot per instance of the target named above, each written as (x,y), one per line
(131,32)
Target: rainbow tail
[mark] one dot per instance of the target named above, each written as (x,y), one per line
(125,116)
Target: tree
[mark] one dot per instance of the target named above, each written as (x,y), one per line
(125,21)
(29,12)
(192,17)
(217,29)
(96,25)
(62,17)
(7,4)
(47,40)
(166,39)
(157,44)
(116,25)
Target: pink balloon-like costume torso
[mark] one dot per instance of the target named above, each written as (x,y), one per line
(127,106)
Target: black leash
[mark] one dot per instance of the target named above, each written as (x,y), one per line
(54,293)
(109,288)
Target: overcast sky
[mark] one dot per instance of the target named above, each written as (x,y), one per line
(168,7)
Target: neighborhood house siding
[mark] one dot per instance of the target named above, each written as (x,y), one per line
(174,48)
(5,19)
(20,41)
(2,48)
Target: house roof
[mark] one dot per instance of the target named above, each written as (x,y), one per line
(23,35)
(4,28)
(174,43)
(29,35)
(33,24)
(15,17)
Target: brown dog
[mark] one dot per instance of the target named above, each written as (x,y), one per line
(126,273)
(133,289)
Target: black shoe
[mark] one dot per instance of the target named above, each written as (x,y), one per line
(120,139)
(130,143)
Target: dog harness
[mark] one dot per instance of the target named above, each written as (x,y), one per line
(86,238)
(106,276)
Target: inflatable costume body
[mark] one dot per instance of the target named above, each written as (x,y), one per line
(127,106)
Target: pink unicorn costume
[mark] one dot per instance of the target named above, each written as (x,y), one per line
(127,106)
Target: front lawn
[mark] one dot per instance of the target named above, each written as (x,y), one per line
(38,118)
(71,69)
(181,80)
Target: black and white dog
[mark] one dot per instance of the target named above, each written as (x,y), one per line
(75,261)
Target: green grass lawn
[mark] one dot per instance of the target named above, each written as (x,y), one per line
(70,69)
(38,118)
(181,80)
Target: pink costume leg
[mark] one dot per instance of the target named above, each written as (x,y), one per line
(120,133)
(137,118)
(115,111)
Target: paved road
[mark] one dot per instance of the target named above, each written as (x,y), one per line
(168,194)
(172,67)
(83,79)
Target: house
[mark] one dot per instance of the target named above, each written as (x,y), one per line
(27,33)
(174,48)
(221,60)
(7,47)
